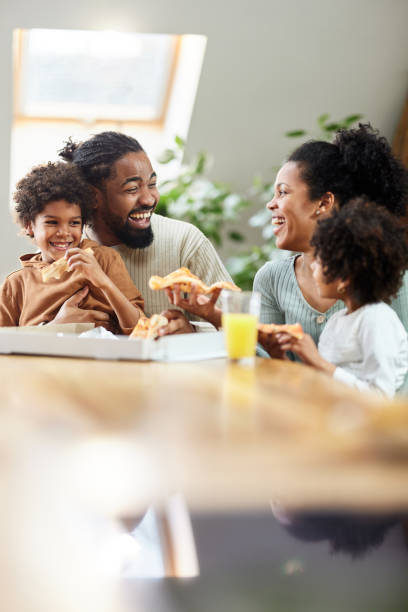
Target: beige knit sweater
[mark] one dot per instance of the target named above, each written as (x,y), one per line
(175,244)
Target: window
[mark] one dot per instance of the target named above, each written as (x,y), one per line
(94,75)
(70,83)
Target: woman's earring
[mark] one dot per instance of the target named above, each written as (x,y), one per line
(317,212)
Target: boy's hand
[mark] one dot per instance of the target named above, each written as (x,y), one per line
(71,312)
(306,349)
(197,303)
(85,262)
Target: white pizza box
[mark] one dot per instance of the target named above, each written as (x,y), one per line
(181,347)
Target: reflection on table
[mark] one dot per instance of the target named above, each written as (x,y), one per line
(88,443)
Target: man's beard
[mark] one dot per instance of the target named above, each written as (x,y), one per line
(130,236)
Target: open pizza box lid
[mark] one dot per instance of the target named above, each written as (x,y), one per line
(65,341)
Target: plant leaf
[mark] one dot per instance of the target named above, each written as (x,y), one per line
(179,142)
(322,119)
(348,121)
(332,127)
(295,133)
(236,236)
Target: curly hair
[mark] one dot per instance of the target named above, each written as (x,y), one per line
(366,245)
(48,183)
(96,156)
(358,163)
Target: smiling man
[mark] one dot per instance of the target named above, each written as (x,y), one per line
(126,195)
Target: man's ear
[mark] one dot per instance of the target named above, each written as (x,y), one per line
(97,193)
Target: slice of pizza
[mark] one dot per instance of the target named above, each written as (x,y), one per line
(186,280)
(294,330)
(57,268)
(149,328)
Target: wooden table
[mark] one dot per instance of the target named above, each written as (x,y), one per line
(228,437)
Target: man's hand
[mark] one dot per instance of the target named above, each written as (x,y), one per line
(70,311)
(178,324)
(197,303)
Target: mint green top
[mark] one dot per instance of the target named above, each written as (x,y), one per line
(283,302)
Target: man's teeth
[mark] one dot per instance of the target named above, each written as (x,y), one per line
(278,220)
(146,215)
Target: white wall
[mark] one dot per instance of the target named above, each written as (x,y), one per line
(270,66)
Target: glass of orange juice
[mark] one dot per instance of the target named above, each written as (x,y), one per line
(240,314)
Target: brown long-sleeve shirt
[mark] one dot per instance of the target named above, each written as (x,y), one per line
(26,300)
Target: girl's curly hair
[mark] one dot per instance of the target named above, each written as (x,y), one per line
(366,245)
(50,182)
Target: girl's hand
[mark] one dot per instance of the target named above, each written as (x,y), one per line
(197,303)
(306,349)
(85,262)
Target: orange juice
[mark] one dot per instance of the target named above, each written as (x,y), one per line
(240,334)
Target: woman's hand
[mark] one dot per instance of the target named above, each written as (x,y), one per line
(271,345)
(71,312)
(306,349)
(197,303)
(178,324)
(85,262)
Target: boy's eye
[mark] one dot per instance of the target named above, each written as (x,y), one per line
(153,185)
(50,223)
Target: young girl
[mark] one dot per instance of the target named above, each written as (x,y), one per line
(360,254)
(53,202)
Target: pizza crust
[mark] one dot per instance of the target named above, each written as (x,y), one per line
(149,328)
(294,330)
(57,268)
(186,280)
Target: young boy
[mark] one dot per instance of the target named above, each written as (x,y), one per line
(361,254)
(52,204)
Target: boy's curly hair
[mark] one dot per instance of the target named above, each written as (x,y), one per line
(366,245)
(48,183)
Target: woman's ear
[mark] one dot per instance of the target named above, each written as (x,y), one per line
(326,204)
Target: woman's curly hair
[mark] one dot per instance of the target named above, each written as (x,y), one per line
(366,245)
(358,163)
(48,183)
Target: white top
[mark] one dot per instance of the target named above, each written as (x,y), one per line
(176,244)
(369,348)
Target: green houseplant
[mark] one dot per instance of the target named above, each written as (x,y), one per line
(191,196)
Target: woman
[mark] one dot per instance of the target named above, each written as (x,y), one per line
(317,177)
